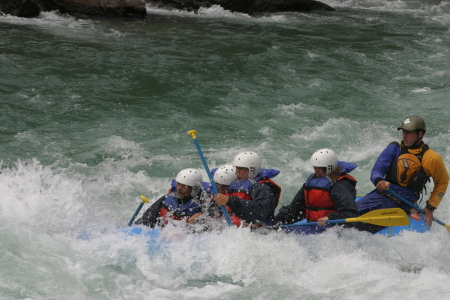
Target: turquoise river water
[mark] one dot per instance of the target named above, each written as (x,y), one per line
(95,112)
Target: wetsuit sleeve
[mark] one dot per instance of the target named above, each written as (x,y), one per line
(343,195)
(263,202)
(381,166)
(435,168)
(293,212)
(150,216)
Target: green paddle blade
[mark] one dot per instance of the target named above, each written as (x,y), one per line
(383,217)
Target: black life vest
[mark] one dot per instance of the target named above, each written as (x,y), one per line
(407,170)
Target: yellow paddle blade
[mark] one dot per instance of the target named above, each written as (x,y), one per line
(144,199)
(192,133)
(383,217)
(448,227)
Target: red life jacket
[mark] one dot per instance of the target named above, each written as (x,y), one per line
(317,197)
(165,215)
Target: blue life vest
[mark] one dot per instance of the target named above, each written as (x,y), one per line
(172,209)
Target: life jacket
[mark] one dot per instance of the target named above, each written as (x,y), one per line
(407,170)
(243,190)
(316,192)
(171,209)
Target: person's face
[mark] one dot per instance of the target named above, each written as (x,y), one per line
(241,173)
(411,137)
(221,188)
(318,171)
(183,190)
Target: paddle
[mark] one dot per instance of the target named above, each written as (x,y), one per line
(144,199)
(381,217)
(213,184)
(416,206)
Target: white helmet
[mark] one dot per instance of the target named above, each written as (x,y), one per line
(250,160)
(225,175)
(324,158)
(192,178)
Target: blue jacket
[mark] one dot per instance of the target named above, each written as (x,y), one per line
(382,166)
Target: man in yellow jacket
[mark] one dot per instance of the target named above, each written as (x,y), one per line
(405,168)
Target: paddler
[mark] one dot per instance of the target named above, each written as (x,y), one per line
(328,194)
(253,197)
(405,168)
(223,177)
(185,203)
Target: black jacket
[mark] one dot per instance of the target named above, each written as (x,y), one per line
(264,200)
(151,215)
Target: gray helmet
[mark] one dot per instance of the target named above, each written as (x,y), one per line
(413,123)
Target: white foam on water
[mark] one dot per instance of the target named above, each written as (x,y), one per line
(237,263)
(68,26)
(218,11)
(48,207)
(395,6)
(36,198)
(49,19)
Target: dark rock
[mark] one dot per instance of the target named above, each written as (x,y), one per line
(133,8)
(123,8)
(20,8)
(317,5)
(251,7)
(32,8)
(47,5)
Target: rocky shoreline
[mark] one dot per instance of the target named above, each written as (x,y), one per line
(137,8)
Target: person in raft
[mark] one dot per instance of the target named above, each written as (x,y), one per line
(252,198)
(405,168)
(328,194)
(223,177)
(183,203)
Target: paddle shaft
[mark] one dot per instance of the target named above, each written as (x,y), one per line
(350,220)
(211,180)
(382,217)
(138,210)
(416,206)
(135,214)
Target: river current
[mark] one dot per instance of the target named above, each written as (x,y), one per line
(95,112)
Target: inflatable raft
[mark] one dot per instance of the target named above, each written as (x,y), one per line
(414,222)
(389,222)
(394,216)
